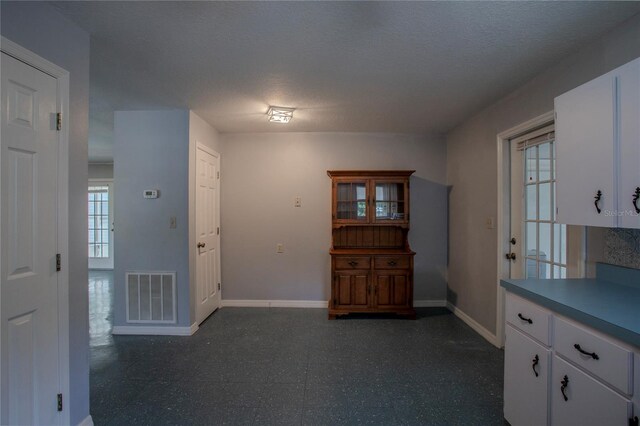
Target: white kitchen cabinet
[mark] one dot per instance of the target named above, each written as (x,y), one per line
(629,117)
(602,387)
(579,399)
(526,380)
(597,150)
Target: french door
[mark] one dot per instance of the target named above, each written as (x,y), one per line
(540,246)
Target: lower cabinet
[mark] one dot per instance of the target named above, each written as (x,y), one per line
(526,380)
(386,286)
(579,376)
(351,289)
(579,399)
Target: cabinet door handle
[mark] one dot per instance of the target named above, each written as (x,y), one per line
(636,195)
(525,319)
(353,263)
(392,263)
(565,384)
(597,200)
(536,361)
(582,351)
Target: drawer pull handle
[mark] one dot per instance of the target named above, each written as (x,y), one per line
(392,263)
(636,195)
(565,384)
(582,351)
(353,263)
(536,361)
(525,319)
(597,200)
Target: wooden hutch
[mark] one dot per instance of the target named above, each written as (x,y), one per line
(371,261)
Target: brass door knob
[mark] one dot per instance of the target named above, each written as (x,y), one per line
(510,256)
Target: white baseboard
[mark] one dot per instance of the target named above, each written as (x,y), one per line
(429,303)
(145,330)
(489,336)
(88,421)
(246,303)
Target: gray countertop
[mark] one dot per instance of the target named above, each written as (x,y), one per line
(608,306)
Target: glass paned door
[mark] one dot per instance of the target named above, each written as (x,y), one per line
(390,201)
(545,241)
(351,200)
(100,209)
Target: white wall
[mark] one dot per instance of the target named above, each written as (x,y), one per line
(100,170)
(472,166)
(41,29)
(151,151)
(199,132)
(261,175)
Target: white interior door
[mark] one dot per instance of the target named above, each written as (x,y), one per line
(29,368)
(101,224)
(207,232)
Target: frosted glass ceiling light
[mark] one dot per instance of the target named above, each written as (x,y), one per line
(280,114)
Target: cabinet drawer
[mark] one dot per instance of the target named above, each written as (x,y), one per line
(609,362)
(588,402)
(528,317)
(352,262)
(391,262)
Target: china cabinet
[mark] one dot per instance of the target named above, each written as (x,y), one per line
(371,261)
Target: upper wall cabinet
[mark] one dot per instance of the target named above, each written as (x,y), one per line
(598,151)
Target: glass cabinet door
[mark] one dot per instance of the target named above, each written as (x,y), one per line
(351,201)
(390,202)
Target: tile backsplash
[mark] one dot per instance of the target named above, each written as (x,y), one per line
(622,247)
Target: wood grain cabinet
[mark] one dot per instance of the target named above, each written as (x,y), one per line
(371,261)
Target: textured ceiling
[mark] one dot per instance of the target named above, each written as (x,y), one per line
(407,67)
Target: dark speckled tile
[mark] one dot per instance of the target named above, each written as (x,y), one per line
(241,368)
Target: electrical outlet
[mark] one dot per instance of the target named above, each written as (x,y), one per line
(173,222)
(298,201)
(279,248)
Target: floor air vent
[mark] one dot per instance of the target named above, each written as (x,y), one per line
(151,297)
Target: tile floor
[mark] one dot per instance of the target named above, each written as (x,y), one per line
(293,366)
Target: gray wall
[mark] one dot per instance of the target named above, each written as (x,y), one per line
(472,166)
(262,173)
(151,152)
(100,170)
(39,28)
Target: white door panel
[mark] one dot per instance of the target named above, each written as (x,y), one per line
(207,236)
(29,287)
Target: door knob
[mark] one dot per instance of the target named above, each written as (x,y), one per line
(510,256)
(513,241)
(201,245)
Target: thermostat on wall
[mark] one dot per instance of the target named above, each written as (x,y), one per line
(150,193)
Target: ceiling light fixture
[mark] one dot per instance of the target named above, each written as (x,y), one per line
(280,114)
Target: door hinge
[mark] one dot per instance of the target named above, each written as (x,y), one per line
(218,230)
(59,402)
(58,121)
(218,286)
(218,175)
(58,262)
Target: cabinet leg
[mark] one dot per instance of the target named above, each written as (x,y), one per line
(332,316)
